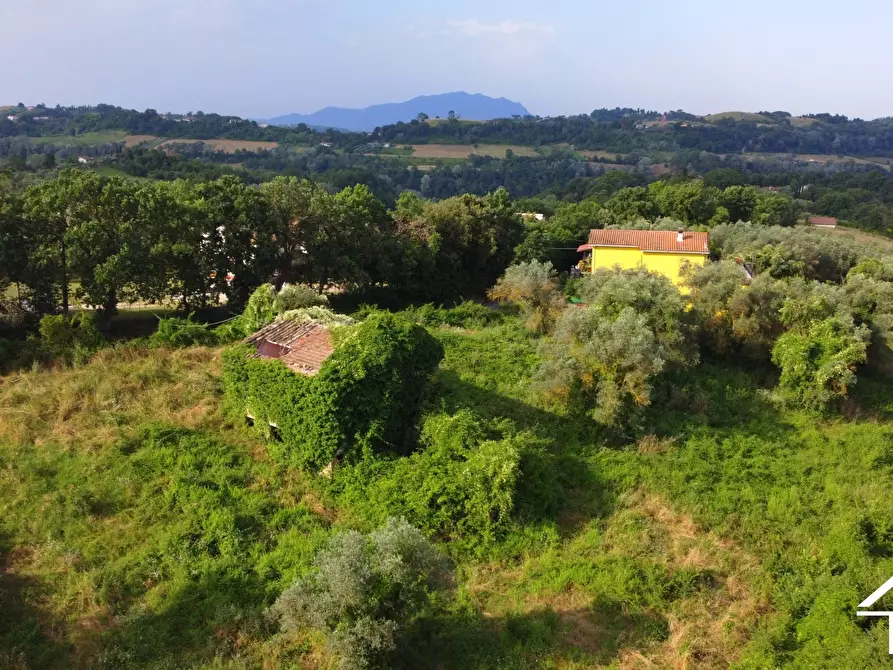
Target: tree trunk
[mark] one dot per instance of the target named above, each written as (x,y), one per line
(111,305)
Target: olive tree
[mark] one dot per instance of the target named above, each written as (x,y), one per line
(609,353)
(534,286)
(363,590)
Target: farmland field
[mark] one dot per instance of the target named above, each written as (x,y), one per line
(736,116)
(228,146)
(84,139)
(135,140)
(881,161)
(464,150)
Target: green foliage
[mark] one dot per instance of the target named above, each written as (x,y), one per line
(463,485)
(632,328)
(71,340)
(365,397)
(364,590)
(465,315)
(260,309)
(818,364)
(534,286)
(298,296)
(183,333)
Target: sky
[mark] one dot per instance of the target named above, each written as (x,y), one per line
(262,58)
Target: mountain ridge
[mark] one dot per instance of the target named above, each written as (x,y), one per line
(474,106)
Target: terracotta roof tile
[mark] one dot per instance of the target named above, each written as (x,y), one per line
(648,240)
(822,221)
(303,347)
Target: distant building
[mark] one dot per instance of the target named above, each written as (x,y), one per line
(661,251)
(83,160)
(532,216)
(823,221)
(325,144)
(11,117)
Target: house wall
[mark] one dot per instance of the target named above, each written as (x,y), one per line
(668,264)
(671,264)
(607,257)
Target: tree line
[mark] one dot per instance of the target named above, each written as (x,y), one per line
(84,239)
(826,135)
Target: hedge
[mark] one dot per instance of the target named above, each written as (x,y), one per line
(365,399)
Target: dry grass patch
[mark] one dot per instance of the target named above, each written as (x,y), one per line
(227,146)
(465,150)
(707,626)
(122,386)
(136,140)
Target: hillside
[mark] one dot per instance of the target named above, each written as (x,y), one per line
(466,105)
(739,535)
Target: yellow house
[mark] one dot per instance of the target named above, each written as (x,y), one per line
(662,251)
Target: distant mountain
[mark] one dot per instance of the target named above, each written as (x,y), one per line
(467,105)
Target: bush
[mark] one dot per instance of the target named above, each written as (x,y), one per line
(818,364)
(298,296)
(534,286)
(182,333)
(462,486)
(260,309)
(365,397)
(320,315)
(465,315)
(364,590)
(633,326)
(71,340)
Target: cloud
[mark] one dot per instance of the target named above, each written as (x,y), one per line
(477,28)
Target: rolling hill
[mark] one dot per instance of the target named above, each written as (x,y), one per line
(466,105)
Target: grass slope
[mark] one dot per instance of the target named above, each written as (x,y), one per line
(82,140)
(139,529)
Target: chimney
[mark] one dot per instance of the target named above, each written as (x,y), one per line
(680,236)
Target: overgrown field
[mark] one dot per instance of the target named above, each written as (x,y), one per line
(464,150)
(84,139)
(227,146)
(140,528)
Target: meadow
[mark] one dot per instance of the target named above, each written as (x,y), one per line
(143,528)
(464,150)
(227,146)
(84,139)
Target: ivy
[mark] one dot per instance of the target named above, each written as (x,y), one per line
(365,398)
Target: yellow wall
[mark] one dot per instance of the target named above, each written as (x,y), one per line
(671,264)
(627,258)
(608,257)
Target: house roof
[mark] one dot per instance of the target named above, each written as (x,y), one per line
(648,240)
(303,347)
(823,221)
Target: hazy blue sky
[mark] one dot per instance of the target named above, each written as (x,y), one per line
(268,57)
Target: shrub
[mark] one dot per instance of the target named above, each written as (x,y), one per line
(818,364)
(320,315)
(298,296)
(463,486)
(364,590)
(465,315)
(534,286)
(633,327)
(260,309)
(365,397)
(182,333)
(71,340)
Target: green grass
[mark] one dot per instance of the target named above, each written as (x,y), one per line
(85,139)
(139,528)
